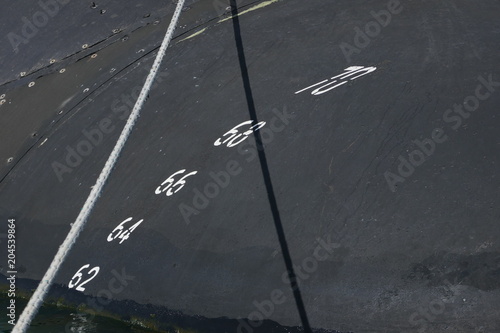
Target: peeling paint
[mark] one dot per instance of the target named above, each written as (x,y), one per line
(260,5)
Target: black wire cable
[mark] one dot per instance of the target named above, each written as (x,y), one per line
(265,172)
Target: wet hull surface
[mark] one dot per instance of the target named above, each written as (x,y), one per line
(384,170)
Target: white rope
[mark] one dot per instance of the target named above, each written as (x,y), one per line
(38,296)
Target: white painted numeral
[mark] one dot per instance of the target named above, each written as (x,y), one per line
(78,276)
(170,187)
(118,232)
(235,137)
(349,71)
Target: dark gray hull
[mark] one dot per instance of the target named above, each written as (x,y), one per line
(383,238)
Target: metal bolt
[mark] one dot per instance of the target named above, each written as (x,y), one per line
(32,83)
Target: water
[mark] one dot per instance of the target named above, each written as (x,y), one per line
(52,319)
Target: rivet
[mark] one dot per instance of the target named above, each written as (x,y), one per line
(103,11)
(125,38)
(52,61)
(62,70)
(140,51)
(94,56)
(93,5)
(10,159)
(23,74)
(31,84)
(156,22)
(115,31)
(86,90)
(147,15)
(84,46)
(60,112)
(2,97)
(2,102)
(112,70)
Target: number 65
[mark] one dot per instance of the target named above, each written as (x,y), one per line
(169,183)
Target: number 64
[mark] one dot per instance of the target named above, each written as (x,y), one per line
(118,232)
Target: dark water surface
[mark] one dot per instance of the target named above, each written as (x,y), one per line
(52,319)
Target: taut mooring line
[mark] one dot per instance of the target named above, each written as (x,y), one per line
(41,291)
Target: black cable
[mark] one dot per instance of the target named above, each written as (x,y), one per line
(265,172)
